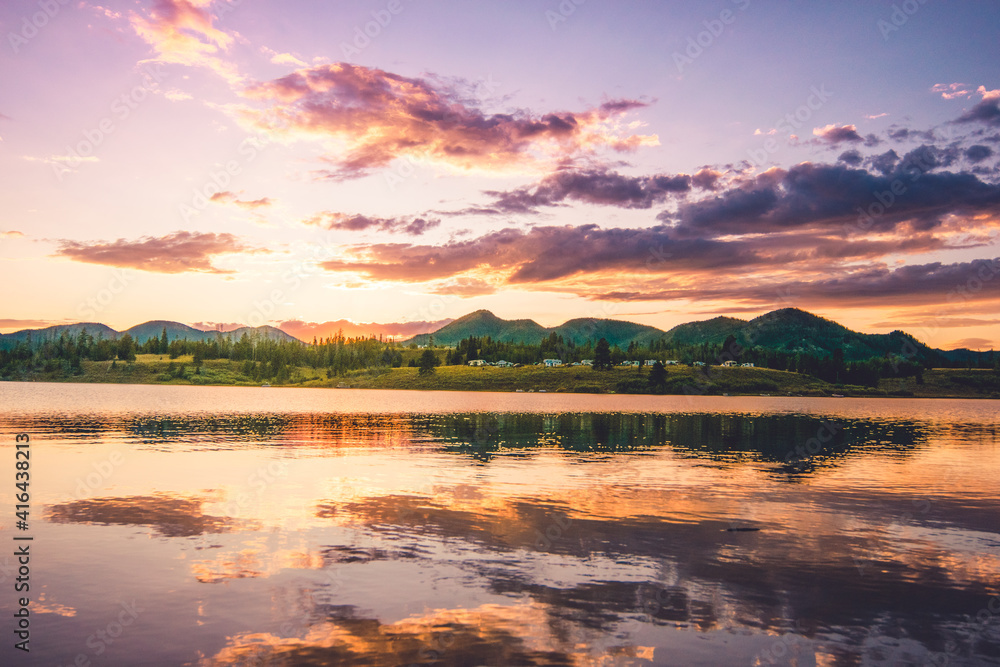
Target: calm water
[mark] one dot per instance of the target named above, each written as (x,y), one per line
(252,526)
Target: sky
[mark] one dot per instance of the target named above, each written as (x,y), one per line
(406,162)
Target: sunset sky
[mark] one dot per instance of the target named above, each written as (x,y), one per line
(395,161)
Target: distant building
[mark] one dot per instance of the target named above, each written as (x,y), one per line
(670,362)
(748,364)
(552,362)
(730,363)
(649,362)
(477,362)
(587,362)
(503,364)
(699,363)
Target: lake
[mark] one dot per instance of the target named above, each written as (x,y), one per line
(181,525)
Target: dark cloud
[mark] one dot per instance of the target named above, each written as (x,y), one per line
(594,186)
(178,252)
(986,112)
(412,226)
(886,162)
(706,179)
(544,254)
(819,196)
(852,158)
(382,116)
(900,134)
(978,153)
(934,283)
(837,134)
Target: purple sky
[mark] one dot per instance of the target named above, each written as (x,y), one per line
(394,161)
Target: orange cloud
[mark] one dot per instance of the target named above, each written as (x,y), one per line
(179,252)
(379,116)
(182,32)
(227,197)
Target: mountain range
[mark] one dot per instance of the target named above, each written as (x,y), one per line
(140,332)
(787,330)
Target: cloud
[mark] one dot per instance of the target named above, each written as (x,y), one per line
(178,252)
(835,134)
(945,322)
(923,284)
(342,221)
(376,117)
(177,95)
(12,234)
(594,186)
(986,112)
(182,32)
(950,91)
(876,116)
(227,197)
(820,196)
(852,158)
(972,344)
(14,324)
(287,59)
(978,153)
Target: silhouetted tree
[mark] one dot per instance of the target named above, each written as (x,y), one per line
(602,355)
(428,360)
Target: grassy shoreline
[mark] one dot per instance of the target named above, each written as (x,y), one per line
(713,380)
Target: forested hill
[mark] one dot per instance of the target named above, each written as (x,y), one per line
(483,323)
(787,330)
(140,333)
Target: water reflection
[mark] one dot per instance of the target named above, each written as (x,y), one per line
(432,537)
(800,442)
(169,516)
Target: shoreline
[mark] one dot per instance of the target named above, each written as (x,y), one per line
(681,381)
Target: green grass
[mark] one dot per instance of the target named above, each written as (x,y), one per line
(712,380)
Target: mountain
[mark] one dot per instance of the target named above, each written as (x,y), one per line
(264,331)
(484,323)
(175,330)
(714,330)
(95,329)
(616,332)
(141,332)
(786,330)
(793,330)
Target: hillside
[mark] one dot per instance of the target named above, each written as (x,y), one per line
(616,332)
(484,323)
(140,332)
(714,330)
(175,330)
(95,329)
